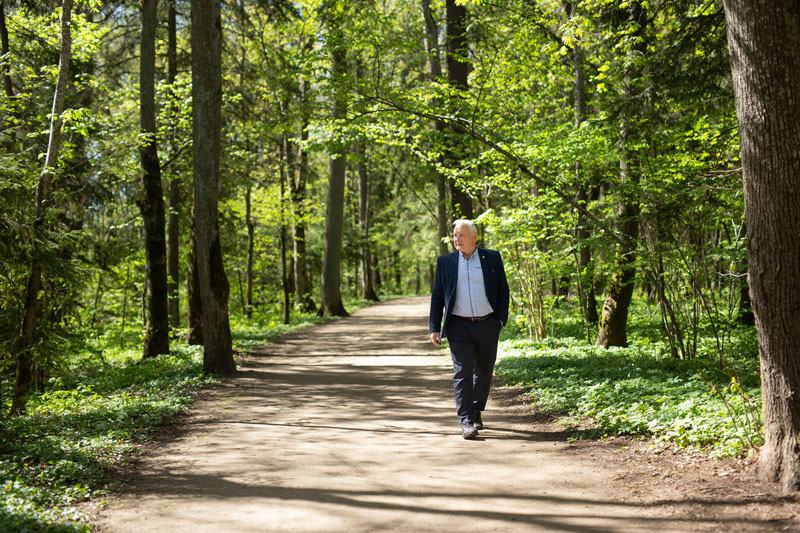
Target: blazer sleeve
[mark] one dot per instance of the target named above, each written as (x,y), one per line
(437,299)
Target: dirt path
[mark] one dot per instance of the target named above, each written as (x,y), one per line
(350,427)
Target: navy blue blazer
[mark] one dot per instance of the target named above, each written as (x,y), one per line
(443,295)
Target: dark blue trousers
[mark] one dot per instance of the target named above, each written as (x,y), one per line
(473,348)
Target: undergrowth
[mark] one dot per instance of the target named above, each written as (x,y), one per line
(699,404)
(59,451)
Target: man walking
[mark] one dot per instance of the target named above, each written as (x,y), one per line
(471,290)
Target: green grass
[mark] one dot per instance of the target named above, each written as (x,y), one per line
(695,404)
(59,452)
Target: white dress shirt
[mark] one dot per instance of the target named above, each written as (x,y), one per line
(471,300)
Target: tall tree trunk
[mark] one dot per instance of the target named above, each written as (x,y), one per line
(764,41)
(458,67)
(583,232)
(151,201)
(364,221)
(173,218)
(435,60)
(194,304)
(5,49)
(613,323)
(297,195)
(206,133)
(251,243)
(285,274)
(25,338)
(334,219)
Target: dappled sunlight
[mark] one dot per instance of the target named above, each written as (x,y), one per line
(303,441)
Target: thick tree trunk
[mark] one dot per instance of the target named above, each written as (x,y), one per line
(364,221)
(206,133)
(334,220)
(458,68)
(435,59)
(25,337)
(151,201)
(764,42)
(613,323)
(173,218)
(251,244)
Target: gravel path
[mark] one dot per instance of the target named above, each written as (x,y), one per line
(350,426)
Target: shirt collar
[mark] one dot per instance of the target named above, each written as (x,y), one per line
(464,257)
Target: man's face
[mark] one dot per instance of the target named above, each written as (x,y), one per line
(463,239)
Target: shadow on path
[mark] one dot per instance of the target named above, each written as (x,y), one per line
(350,426)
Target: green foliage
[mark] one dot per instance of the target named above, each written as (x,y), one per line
(60,451)
(639,391)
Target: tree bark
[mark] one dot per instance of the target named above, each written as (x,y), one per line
(287,300)
(458,68)
(173,218)
(251,243)
(434,57)
(206,135)
(613,323)
(297,194)
(25,337)
(5,49)
(334,220)
(583,232)
(364,222)
(764,42)
(194,307)
(151,201)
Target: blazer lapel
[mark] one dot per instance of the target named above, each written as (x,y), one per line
(484,267)
(453,276)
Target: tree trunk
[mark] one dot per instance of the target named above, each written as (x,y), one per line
(613,323)
(151,201)
(25,338)
(583,232)
(206,133)
(458,67)
(194,307)
(251,243)
(434,56)
(764,40)
(173,218)
(10,143)
(287,300)
(364,221)
(297,194)
(334,219)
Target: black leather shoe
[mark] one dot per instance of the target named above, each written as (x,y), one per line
(478,423)
(468,430)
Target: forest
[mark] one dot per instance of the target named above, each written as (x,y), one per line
(180,180)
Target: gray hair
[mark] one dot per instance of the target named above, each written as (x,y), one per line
(472,226)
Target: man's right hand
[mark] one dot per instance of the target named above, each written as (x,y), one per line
(436,339)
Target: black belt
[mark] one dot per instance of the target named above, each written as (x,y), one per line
(473,318)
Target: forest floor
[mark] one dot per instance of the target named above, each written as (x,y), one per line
(350,426)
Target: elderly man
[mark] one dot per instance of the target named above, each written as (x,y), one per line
(471,290)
